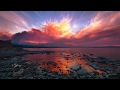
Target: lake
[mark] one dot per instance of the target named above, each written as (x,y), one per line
(66,58)
(113,53)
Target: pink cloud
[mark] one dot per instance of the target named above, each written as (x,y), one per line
(14,21)
(103,30)
(5,36)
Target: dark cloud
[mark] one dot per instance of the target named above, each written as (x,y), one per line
(103,30)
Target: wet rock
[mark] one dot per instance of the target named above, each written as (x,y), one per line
(22,62)
(51,74)
(74,74)
(95,66)
(15,69)
(92,59)
(103,62)
(10,74)
(95,73)
(76,66)
(82,77)
(81,71)
(16,65)
(18,73)
(102,58)
(52,63)
(33,67)
(114,76)
(15,58)
(91,54)
(44,73)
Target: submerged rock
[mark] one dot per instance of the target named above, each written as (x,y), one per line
(95,66)
(82,71)
(52,63)
(18,73)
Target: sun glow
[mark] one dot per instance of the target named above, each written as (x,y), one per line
(58,29)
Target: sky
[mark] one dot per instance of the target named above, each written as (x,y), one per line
(61,28)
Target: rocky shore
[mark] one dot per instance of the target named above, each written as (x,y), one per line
(85,67)
(11,52)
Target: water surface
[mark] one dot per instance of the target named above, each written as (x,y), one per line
(67,58)
(113,53)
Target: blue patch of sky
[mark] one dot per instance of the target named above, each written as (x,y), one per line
(36,18)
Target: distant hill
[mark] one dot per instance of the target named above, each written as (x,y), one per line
(104,47)
(5,44)
(44,46)
(8,44)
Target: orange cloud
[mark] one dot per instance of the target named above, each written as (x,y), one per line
(104,29)
(58,30)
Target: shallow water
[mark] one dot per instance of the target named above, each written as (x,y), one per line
(67,58)
(113,53)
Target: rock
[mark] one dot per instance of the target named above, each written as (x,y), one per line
(15,59)
(15,69)
(91,54)
(82,77)
(51,74)
(82,71)
(44,73)
(31,77)
(18,73)
(75,74)
(52,63)
(22,62)
(102,58)
(76,66)
(95,73)
(114,76)
(95,66)
(16,65)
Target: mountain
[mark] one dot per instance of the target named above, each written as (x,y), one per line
(5,44)
(50,46)
(8,44)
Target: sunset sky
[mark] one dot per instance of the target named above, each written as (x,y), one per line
(61,28)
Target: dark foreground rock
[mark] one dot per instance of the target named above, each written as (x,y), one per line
(14,66)
(19,68)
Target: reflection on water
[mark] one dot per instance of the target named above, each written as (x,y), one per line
(105,52)
(61,62)
(65,60)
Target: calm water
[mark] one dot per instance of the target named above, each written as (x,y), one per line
(59,57)
(113,53)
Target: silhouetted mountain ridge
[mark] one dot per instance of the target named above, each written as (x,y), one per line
(8,44)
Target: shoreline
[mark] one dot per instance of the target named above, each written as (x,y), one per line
(17,67)
(19,52)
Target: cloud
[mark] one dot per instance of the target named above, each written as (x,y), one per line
(36,37)
(5,36)
(33,36)
(14,21)
(14,17)
(101,22)
(103,30)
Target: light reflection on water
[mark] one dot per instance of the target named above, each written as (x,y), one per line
(64,58)
(113,53)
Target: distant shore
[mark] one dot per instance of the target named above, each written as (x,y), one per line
(17,52)
(14,66)
(7,49)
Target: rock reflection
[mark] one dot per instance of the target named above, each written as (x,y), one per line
(64,63)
